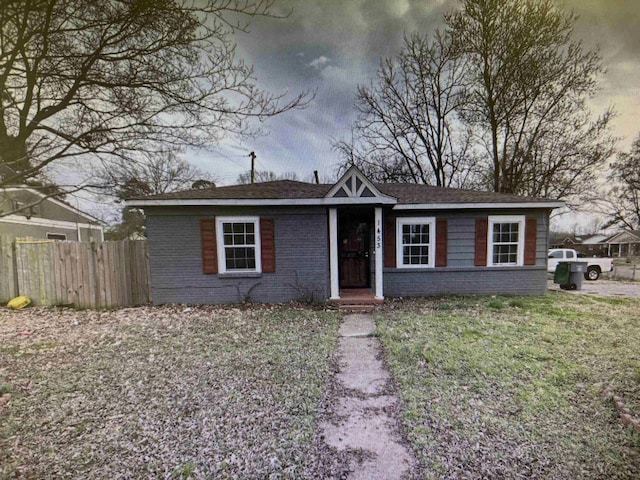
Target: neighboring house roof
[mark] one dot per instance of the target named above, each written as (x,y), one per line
(626,236)
(44,197)
(596,239)
(290,192)
(37,209)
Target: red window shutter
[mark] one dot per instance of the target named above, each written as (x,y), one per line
(482,225)
(209,250)
(390,242)
(530,234)
(441,242)
(268,244)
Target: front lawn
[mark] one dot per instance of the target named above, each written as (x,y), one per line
(162,392)
(511,387)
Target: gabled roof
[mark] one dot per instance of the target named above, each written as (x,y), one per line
(352,188)
(56,201)
(626,236)
(596,239)
(354,184)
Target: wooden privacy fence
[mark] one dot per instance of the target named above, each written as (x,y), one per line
(86,275)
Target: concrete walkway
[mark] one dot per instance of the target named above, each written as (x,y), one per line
(363,420)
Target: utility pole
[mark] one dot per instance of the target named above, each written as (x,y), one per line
(253,167)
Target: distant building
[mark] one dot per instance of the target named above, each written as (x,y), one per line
(625,244)
(27,212)
(594,245)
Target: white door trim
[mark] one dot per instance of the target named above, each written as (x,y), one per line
(378,252)
(333,253)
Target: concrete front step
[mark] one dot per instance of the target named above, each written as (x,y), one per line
(356,308)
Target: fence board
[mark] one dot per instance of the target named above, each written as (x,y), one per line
(98,275)
(8,280)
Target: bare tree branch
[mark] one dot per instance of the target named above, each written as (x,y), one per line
(408,126)
(108,80)
(528,83)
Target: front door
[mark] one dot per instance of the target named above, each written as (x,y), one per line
(353,251)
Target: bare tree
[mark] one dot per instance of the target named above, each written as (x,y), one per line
(85,80)
(623,200)
(265,176)
(528,83)
(150,174)
(145,174)
(407,127)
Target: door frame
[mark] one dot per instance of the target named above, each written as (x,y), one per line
(355,248)
(377,252)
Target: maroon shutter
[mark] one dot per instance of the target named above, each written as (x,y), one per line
(441,242)
(267,242)
(390,242)
(530,234)
(209,250)
(482,225)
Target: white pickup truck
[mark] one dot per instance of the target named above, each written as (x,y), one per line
(595,267)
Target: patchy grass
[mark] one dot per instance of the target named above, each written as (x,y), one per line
(162,392)
(511,387)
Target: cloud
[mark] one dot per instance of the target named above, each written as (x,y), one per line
(331,46)
(319,62)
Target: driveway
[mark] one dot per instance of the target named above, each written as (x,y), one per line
(603,288)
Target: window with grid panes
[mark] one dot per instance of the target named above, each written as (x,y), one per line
(416,240)
(238,249)
(506,240)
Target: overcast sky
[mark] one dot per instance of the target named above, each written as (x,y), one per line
(332,46)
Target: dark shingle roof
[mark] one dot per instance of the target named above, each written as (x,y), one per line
(279,189)
(405,193)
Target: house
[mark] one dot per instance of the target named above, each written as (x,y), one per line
(285,240)
(561,240)
(595,245)
(28,212)
(625,244)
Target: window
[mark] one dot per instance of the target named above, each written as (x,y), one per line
(238,240)
(506,240)
(416,242)
(557,254)
(569,254)
(56,236)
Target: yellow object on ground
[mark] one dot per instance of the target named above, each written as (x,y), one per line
(19,302)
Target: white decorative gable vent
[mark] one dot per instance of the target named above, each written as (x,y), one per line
(354,184)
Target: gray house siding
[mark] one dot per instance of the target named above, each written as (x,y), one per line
(461,276)
(302,252)
(44,209)
(470,281)
(45,217)
(302,259)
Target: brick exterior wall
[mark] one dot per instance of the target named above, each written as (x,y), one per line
(302,259)
(302,253)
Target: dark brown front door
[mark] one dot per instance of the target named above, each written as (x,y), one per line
(353,251)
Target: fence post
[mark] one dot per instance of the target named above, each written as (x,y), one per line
(8,279)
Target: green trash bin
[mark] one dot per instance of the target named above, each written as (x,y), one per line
(562,272)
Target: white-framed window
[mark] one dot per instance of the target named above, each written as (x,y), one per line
(238,242)
(415,242)
(505,243)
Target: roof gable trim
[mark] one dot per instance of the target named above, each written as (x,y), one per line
(354,184)
(477,205)
(337,201)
